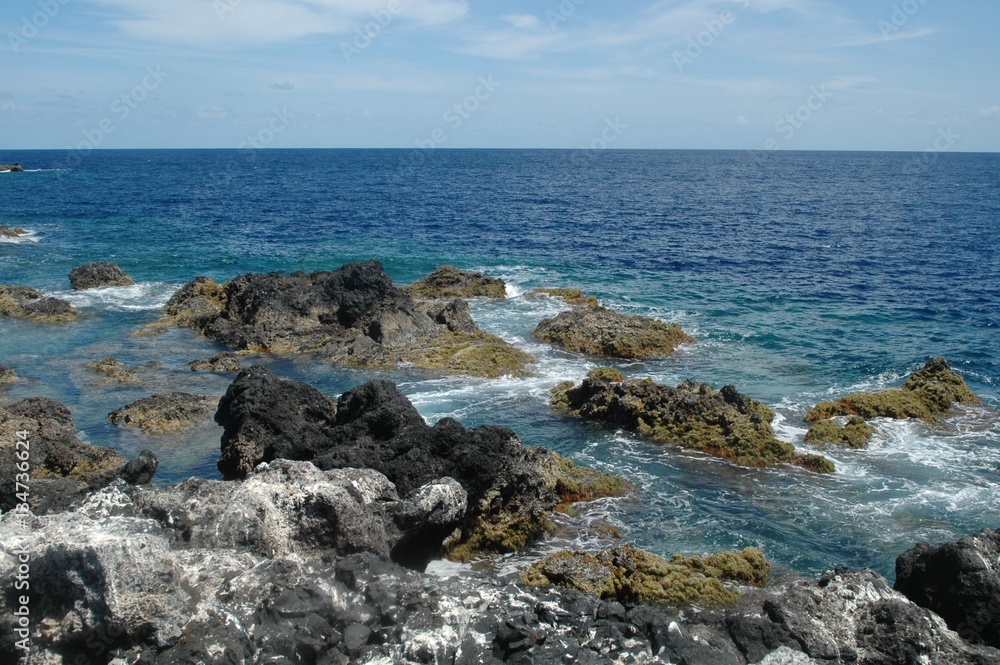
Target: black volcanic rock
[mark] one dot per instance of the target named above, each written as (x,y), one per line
(98,275)
(959,581)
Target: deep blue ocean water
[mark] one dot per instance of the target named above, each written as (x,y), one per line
(803,276)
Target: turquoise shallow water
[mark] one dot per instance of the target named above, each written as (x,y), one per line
(803,276)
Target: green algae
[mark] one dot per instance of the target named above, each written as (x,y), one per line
(450,282)
(574,297)
(856,433)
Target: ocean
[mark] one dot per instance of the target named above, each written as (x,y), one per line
(802,276)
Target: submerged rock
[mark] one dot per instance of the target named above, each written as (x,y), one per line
(959,581)
(574,297)
(855,433)
(353,315)
(450,282)
(113,371)
(7,376)
(98,276)
(221,363)
(511,488)
(23,302)
(12,232)
(629,575)
(14,168)
(721,423)
(927,395)
(62,469)
(167,413)
(602,332)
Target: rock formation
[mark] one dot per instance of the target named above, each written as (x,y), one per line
(14,168)
(97,276)
(448,282)
(721,423)
(574,297)
(165,414)
(855,433)
(602,332)
(7,376)
(113,371)
(23,302)
(221,363)
(12,232)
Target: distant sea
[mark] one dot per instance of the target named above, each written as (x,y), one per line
(803,276)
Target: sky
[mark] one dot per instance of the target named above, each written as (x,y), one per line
(912,75)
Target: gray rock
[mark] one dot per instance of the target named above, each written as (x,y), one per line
(7,376)
(98,275)
(221,363)
(448,282)
(24,302)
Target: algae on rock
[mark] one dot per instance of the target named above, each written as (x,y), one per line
(603,332)
(856,433)
(574,297)
(450,282)
(22,302)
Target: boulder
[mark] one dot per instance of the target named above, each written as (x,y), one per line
(855,433)
(353,315)
(113,371)
(62,469)
(722,423)
(927,395)
(12,232)
(959,581)
(166,413)
(511,488)
(629,575)
(449,282)
(602,332)
(23,302)
(14,168)
(98,276)
(221,363)
(7,376)
(573,297)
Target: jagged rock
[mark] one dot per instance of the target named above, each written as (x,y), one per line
(723,423)
(221,363)
(450,282)
(98,276)
(14,168)
(603,332)
(855,433)
(166,413)
(629,575)
(113,371)
(62,469)
(511,488)
(353,315)
(927,395)
(574,297)
(23,302)
(959,581)
(12,232)
(454,314)
(7,376)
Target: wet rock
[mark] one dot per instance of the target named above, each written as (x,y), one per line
(62,469)
(959,581)
(927,395)
(221,363)
(113,371)
(629,575)
(166,413)
(353,316)
(602,332)
(449,282)
(574,297)
(511,488)
(13,168)
(23,302)
(12,232)
(855,433)
(723,423)
(7,376)
(98,276)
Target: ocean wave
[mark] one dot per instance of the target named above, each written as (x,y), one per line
(30,236)
(144,296)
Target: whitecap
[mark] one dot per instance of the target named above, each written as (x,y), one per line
(136,298)
(29,236)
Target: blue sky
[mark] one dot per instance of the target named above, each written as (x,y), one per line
(745,74)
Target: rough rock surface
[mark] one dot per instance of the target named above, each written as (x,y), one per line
(603,332)
(450,282)
(511,488)
(166,413)
(928,395)
(113,371)
(61,468)
(7,376)
(97,276)
(24,302)
(723,423)
(959,581)
(855,433)
(15,167)
(574,297)
(220,363)
(353,315)
(12,232)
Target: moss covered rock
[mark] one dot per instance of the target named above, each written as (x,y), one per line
(723,423)
(7,376)
(574,297)
(165,414)
(450,282)
(573,483)
(610,374)
(926,395)
(113,371)
(23,302)
(629,575)
(602,332)
(474,354)
(856,433)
